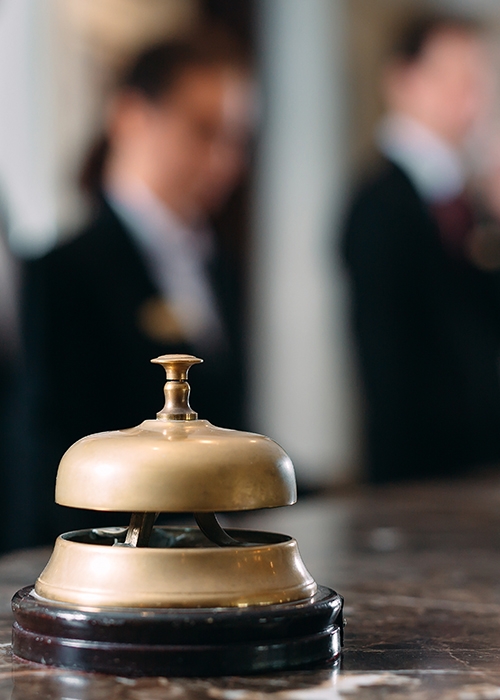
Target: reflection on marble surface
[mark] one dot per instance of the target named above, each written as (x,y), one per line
(419,567)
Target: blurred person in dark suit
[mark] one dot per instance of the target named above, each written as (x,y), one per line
(9,322)
(147,276)
(9,340)
(426,317)
(9,354)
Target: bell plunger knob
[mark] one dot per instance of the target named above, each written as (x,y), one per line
(176,387)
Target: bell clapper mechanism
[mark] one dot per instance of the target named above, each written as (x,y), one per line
(151,599)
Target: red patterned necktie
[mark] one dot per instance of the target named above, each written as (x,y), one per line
(455,220)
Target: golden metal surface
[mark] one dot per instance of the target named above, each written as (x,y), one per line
(176,466)
(200,575)
(175,463)
(176,388)
(177,366)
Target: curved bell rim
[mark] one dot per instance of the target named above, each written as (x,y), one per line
(175,466)
(181,570)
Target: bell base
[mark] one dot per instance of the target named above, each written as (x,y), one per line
(179,642)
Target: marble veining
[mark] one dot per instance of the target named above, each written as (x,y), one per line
(419,566)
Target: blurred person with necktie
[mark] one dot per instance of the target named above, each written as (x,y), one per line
(147,276)
(9,343)
(426,317)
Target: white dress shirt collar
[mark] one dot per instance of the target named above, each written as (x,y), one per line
(435,167)
(176,256)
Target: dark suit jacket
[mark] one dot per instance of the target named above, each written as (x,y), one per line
(88,361)
(427,328)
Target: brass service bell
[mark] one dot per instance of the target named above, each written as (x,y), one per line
(164,600)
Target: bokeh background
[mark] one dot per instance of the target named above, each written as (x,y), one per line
(318,65)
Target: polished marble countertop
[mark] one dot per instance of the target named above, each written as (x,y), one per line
(419,567)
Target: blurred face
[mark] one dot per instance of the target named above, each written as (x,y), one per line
(190,148)
(447,87)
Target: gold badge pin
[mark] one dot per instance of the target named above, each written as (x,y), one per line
(158,320)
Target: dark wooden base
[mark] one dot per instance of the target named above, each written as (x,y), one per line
(179,642)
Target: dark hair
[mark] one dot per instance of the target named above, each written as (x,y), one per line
(413,38)
(155,71)
(154,74)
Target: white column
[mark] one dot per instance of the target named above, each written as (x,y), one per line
(27,153)
(303,393)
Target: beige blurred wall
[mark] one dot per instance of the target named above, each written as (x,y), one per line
(371,24)
(93,39)
(57,59)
